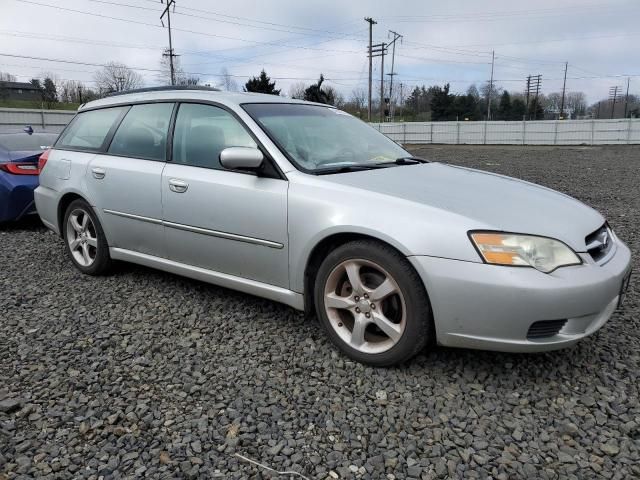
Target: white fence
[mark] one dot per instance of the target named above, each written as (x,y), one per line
(41,120)
(543,132)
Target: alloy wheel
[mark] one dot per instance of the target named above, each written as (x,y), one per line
(365,306)
(82,237)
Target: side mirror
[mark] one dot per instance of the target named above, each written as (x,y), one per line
(241,158)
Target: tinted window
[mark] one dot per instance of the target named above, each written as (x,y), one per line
(143,132)
(23,141)
(202,132)
(89,129)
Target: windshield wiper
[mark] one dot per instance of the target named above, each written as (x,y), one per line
(404,161)
(349,168)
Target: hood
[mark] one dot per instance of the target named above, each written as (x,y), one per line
(493,201)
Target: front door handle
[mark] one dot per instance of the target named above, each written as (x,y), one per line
(98,173)
(178,186)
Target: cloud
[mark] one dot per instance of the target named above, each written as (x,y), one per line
(296,41)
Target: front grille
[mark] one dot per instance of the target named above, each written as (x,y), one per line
(599,243)
(545,328)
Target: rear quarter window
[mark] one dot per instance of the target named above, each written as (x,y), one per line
(88,130)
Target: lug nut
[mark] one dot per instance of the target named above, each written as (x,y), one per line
(367,315)
(366,296)
(373,306)
(356,298)
(357,310)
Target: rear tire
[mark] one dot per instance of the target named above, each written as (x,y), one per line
(373,304)
(85,240)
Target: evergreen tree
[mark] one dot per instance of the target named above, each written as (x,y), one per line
(315,93)
(261,84)
(504,109)
(441,104)
(518,109)
(50,94)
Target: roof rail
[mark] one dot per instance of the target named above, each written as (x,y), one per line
(164,88)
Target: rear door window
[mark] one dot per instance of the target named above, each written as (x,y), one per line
(89,130)
(143,132)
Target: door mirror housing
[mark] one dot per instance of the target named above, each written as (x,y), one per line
(241,158)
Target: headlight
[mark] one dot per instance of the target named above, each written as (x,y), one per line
(544,254)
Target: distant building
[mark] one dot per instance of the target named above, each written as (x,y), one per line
(19,91)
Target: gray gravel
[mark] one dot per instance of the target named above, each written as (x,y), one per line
(145,374)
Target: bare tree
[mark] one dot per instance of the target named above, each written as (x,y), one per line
(297,89)
(227,82)
(359,97)
(181,77)
(7,77)
(117,77)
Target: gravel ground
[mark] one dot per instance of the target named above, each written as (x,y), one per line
(146,374)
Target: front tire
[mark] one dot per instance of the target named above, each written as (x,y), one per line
(85,240)
(373,304)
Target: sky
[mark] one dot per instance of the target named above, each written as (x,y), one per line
(295,41)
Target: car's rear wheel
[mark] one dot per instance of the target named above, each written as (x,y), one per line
(85,240)
(372,303)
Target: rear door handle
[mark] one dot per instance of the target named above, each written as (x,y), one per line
(98,173)
(178,186)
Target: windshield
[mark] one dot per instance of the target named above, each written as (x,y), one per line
(317,138)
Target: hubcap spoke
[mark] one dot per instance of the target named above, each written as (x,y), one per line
(353,272)
(390,329)
(85,219)
(357,334)
(385,289)
(85,254)
(333,300)
(75,244)
(75,224)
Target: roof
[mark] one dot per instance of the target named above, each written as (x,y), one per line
(225,98)
(18,85)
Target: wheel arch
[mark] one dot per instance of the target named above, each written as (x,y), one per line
(65,201)
(326,244)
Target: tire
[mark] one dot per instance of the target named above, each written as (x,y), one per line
(376,326)
(84,238)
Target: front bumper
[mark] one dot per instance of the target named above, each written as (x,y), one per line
(491,307)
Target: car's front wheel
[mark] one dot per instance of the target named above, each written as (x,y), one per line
(372,303)
(86,243)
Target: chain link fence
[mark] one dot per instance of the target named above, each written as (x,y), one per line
(543,132)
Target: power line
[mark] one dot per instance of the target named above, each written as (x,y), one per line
(137,22)
(154,70)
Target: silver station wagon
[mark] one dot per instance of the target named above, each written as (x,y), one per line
(306,205)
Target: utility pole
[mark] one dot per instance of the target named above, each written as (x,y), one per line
(371,23)
(382,83)
(396,36)
(169,53)
(380,50)
(401,98)
(613,95)
(533,88)
(626,98)
(564,86)
(493,57)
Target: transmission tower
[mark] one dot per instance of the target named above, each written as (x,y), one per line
(396,37)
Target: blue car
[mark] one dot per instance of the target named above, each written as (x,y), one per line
(19,170)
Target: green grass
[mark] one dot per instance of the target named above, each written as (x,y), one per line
(36,104)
